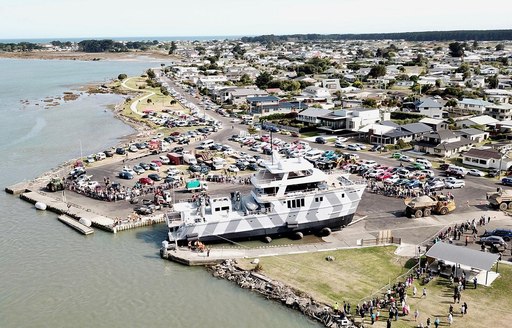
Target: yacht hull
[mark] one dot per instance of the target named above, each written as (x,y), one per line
(274,232)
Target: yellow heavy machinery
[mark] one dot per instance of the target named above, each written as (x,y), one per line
(501,199)
(423,206)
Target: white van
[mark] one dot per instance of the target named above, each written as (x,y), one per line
(189,159)
(206,143)
(424,162)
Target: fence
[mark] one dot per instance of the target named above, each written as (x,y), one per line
(378,241)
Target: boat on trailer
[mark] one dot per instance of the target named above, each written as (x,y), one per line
(290,197)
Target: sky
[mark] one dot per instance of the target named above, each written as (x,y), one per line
(133,18)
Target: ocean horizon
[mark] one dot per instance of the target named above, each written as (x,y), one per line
(126,38)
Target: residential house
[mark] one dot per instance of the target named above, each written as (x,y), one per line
(444,143)
(501,112)
(431,108)
(313,94)
(474,106)
(211,80)
(312,115)
(435,124)
(407,133)
(473,134)
(240,95)
(331,84)
(271,104)
(482,120)
(487,159)
(348,119)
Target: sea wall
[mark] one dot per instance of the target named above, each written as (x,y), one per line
(279,292)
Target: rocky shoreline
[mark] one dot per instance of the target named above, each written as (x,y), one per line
(279,292)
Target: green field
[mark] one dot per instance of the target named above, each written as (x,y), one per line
(356,274)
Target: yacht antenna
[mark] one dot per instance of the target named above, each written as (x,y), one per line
(271,147)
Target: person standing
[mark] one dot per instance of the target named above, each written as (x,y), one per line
(475,280)
(465,308)
(388,323)
(436,322)
(424,292)
(450,319)
(428,322)
(416,315)
(414,291)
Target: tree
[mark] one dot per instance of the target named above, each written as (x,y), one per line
(151,74)
(173,48)
(456,49)
(500,47)
(252,130)
(263,80)
(493,81)
(357,84)
(451,103)
(377,70)
(245,79)
(122,77)
(370,103)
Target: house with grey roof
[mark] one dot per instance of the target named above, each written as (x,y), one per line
(444,143)
(434,123)
(483,120)
(431,108)
(312,115)
(487,159)
(501,112)
(474,106)
(473,134)
(267,105)
(407,133)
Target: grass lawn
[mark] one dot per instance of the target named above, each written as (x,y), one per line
(346,278)
(356,274)
(308,134)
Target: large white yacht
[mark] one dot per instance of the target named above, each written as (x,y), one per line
(290,197)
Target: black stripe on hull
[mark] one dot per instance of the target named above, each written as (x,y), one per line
(281,231)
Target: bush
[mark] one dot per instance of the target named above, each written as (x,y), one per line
(122,77)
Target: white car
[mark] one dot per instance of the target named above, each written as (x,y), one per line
(138,169)
(361,146)
(92,184)
(405,158)
(354,147)
(476,173)
(428,173)
(128,170)
(173,171)
(455,184)
(164,159)
(339,144)
(392,179)
(341,139)
(133,148)
(233,168)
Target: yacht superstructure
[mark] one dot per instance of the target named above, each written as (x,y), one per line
(289,196)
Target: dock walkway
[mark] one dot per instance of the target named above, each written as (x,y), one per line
(75,224)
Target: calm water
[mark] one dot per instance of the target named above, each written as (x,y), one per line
(51,276)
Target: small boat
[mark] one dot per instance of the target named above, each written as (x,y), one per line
(40,206)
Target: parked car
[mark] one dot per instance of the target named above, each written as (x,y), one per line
(507,181)
(138,169)
(125,175)
(155,177)
(154,166)
(455,184)
(145,166)
(233,168)
(146,181)
(120,151)
(108,153)
(320,140)
(476,173)
(405,158)
(436,184)
(396,155)
(353,147)
(493,173)
(493,241)
(506,234)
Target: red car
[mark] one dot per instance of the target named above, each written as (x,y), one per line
(146,181)
(157,162)
(175,133)
(383,176)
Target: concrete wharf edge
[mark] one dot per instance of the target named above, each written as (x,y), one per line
(60,207)
(75,224)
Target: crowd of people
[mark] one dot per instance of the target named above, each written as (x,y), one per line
(396,301)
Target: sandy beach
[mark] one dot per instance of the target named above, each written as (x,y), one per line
(75,55)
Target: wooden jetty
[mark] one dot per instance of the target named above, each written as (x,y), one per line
(75,224)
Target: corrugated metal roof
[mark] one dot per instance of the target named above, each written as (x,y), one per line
(463,256)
